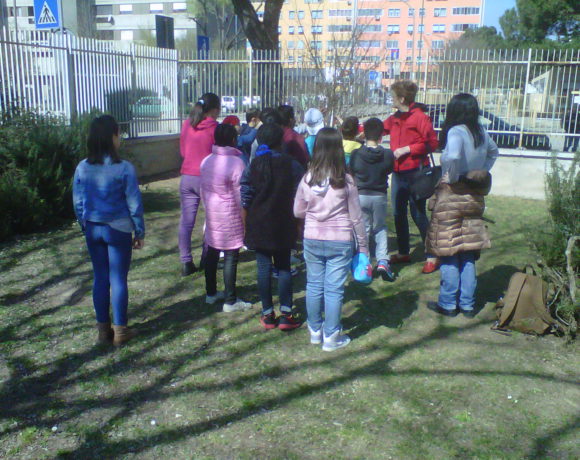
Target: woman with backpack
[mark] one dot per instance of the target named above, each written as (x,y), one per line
(457,232)
(196,142)
(327,198)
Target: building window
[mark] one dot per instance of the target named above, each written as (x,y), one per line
(394,12)
(179,7)
(421,11)
(438,28)
(156,8)
(437,44)
(125,9)
(370,12)
(316,14)
(291,14)
(462,27)
(316,30)
(340,28)
(299,45)
(463,11)
(279,30)
(410,28)
(420,44)
(370,28)
(392,44)
(291,30)
(127,35)
(393,28)
(312,1)
(421,28)
(411,12)
(104,10)
(369,44)
(340,13)
(408,58)
(440,12)
(316,45)
(290,44)
(300,30)
(409,43)
(300,14)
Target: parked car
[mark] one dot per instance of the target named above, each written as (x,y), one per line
(228,104)
(509,135)
(151,107)
(254,102)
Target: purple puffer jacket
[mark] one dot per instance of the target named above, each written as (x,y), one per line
(220,191)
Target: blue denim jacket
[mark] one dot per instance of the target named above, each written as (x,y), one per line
(106,192)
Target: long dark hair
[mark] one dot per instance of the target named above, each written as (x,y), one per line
(269,134)
(462,109)
(328,159)
(225,136)
(100,140)
(207,102)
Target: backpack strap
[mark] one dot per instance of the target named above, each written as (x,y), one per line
(511,299)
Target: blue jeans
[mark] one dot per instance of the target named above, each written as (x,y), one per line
(282,263)
(401,196)
(110,252)
(458,281)
(327,266)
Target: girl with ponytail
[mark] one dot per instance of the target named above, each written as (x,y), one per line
(197,139)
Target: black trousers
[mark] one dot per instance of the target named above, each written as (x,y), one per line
(231,258)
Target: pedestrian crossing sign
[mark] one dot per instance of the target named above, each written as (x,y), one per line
(47,14)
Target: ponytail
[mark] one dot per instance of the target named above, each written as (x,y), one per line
(207,102)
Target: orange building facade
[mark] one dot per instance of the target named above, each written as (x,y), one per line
(387,35)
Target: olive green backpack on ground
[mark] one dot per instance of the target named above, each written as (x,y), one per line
(524,306)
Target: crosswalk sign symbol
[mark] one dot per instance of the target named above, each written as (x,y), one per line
(46,13)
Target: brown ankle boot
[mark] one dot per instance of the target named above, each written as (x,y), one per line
(122,335)
(105,333)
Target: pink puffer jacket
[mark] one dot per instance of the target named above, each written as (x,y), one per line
(220,191)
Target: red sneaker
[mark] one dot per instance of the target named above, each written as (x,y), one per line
(269,321)
(288,322)
(430,267)
(400,259)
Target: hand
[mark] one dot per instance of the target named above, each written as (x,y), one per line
(138,243)
(401,151)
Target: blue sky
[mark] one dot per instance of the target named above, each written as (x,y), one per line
(494,9)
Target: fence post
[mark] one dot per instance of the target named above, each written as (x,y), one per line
(71,77)
(133,128)
(425,76)
(251,77)
(525,99)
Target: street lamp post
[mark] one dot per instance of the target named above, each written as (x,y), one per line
(421,26)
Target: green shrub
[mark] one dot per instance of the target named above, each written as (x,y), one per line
(563,197)
(38,157)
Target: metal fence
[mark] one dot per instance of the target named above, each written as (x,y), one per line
(65,76)
(529,98)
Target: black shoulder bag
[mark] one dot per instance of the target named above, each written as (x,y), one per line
(425,181)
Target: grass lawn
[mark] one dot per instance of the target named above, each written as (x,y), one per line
(199,383)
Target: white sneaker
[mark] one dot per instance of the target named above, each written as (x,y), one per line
(315,336)
(335,341)
(211,299)
(240,305)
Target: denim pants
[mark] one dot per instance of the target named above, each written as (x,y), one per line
(327,266)
(458,281)
(110,252)
(374,211)
(189,194)
(282,263)
(401,195)
(231,258)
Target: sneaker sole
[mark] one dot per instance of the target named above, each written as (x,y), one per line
(288,327)
(268,326)
(385,276)
(315,341)
(234,309)
(325,348)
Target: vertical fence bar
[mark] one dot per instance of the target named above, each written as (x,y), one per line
(524,104)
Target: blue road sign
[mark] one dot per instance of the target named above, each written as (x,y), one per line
(47,14)
(202,46)
(373,75)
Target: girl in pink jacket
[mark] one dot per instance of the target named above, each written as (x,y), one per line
(327,198)
(220,191)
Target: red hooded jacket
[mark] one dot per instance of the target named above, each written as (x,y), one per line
(413,129)
(196,144)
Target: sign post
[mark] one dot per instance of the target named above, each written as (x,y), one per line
(48,14)
(203,47)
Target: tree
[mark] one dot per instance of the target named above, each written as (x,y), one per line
(510,25)
(263,35)
(481,38)
(216,19)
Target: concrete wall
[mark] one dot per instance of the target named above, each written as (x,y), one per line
(516,173)
(153,156)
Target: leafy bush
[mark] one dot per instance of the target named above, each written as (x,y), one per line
(38,156)
(563,196)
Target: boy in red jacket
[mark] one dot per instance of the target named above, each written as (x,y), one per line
(412,139)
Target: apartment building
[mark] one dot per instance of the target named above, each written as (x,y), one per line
(106,19)
(381,31)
